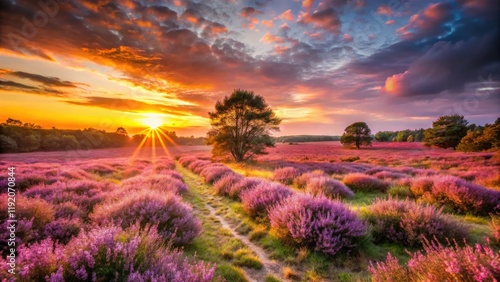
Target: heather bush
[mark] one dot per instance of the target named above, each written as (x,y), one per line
(464,196)
(185,161)
(212,173)
(98,168)
(408,223)
(316,222)
(247,183)
(67,210)
(286,175)
(441,263)
(256,201)
(111,254)
(198,165)
(495,230)
(26,180)
(165,182)
(224,184)
(389,175)
(329,187)
(174,218)
(421,185)
(304,178)
(36,262)
(62,230)
(364,183)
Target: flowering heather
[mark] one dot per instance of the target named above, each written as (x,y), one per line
(226,182)
(198,165)
(62,230)
(441,263)
(98,168)
(68,210)
(316,222)
(364,183)
(409,224)
(187,160)
(214,172)
(389,175)
(37,262)
(421,185)
(286,175)
(164,182)
(247,183)
(329,187)
(465,196)
(495,230)
(111,254)
(303,179)
(173,217)
(258,200)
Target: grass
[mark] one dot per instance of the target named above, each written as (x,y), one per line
(231,273)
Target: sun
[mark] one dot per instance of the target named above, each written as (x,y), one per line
(153,121)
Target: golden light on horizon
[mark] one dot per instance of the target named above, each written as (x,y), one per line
(153,121)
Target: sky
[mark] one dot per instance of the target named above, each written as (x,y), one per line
(320,64)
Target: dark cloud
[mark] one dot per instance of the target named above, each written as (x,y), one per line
(326,19)
(49,81)
(8,83)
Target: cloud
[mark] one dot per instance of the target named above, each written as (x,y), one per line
(49,81)
(385,10)
(448,66)
(267,23)
(287,15)
(326,19)
(432,21)
(307,4)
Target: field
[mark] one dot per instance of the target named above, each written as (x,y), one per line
(306,212)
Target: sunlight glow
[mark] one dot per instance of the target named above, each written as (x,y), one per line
(153,120)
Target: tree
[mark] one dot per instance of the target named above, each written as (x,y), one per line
(446,132)
(7,144)
(13,122)
(481,138)
(121,130)
(358,134)
(410,139)
(241,125)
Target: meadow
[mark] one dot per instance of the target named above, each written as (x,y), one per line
(304,212)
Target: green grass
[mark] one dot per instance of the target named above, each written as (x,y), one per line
(244,257)
(230,273)
(271,278)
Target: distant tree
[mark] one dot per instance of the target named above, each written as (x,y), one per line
(32,125)
(410,139)
(68,142)
(14,122)
(50,142)
(383,136)
(122,131)
(402,135)
(358,134)
(241,126)
(7,144)
(481,138)
(446,132)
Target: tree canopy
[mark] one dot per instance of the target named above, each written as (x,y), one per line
(481,138)
(357,134)
(446,132)
(241,126)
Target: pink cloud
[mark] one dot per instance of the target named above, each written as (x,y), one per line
(267,23)
(287,15)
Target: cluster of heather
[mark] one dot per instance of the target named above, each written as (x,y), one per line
(316,222)
(74,226)
(364,183)
(441,263)
(462,196)
(410,224)
(325,185)
(286,175)
(173,218)
(256,201)
(108,254)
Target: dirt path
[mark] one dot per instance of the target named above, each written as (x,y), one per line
(269,266)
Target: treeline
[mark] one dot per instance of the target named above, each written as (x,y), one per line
(305,138)
(450,132)
(400,136)
(18,137)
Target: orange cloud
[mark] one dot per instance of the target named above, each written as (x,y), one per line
(384,10)
(287,15)
(270,38)
(390,22)
(307,4)
(267,23)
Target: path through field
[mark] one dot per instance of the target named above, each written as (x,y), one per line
(269,266)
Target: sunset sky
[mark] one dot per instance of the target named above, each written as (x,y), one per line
(320,64)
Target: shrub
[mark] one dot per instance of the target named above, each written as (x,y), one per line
(212,173)
(303,179)
(185,161)
(256,201)
(198,165)
(389,175)
(464,196)
(408,223)
(364,183)
(441,263)
(165,182)
(328,187)
(110,254)
(174,218)
(226,182)
(247,183)
(316,222)
(286,175)
(62,230)
(495,230)
(67,210)
(421,185)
